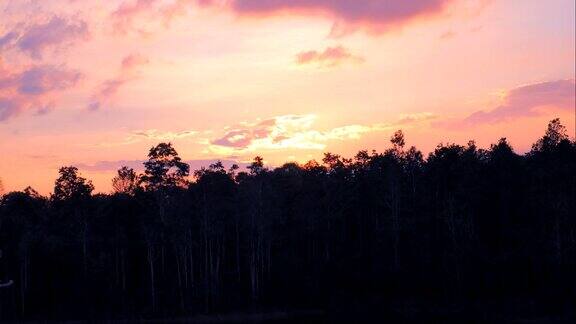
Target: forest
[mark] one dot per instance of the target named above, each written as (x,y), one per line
(460,233)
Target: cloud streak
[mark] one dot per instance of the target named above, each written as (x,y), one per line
(109,88)
(138,165)
(150,135)
(524,101)
(330,57)
(154,134)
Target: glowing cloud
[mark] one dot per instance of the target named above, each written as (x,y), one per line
(283,132)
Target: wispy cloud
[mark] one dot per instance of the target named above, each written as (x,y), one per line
(523,101)
(109,88)
(36,88)
(406,119)
(152,135)
(125,17)
(36,38)
(138,165)
(330,57)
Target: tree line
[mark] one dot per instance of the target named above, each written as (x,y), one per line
(463,226)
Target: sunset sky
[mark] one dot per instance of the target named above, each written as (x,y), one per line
(96,83)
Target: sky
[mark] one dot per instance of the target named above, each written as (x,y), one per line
(96,84)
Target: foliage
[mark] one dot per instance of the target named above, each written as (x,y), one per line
(70,185)
(478,231)
(164,168)
(126,182)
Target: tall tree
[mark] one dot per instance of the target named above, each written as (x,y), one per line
(164,168)
(71,185)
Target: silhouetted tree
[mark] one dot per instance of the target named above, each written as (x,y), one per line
(462,233)
(555,133)
(257,166)
(70,185)
(126,182)
(397,140)
(164,168)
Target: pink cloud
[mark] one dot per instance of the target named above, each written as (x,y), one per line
(371,15)
(523,101)
(243,137)
(35,39)
(128,10)
(374,16)
(109,88)
(36,88)
(131,62)
(331,56)
(46,79)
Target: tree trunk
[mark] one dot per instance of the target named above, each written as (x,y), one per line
(152,286)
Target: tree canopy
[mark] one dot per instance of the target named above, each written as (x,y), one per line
(460,234)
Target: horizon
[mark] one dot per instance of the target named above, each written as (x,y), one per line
(110,168)
(95,85)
